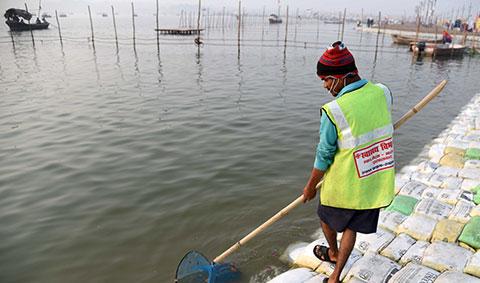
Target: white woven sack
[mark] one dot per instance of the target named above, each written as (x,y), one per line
(415,273)
(415,253)
(443,256)
(398,247)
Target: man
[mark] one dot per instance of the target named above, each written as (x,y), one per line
(354,156)
(446,38)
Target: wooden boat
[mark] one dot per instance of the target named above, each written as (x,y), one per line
(274,19)
(406,40)
(440,50)
(16,20)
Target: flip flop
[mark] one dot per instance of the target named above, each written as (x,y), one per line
(321,252)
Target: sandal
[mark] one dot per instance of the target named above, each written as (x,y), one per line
(321,252)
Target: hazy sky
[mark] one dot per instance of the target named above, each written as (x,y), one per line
(387,7)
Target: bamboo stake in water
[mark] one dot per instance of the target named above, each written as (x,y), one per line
(115,28)
(239,25)
(59,30)
(263,22)
(91,27)
(343,23)
(198,26)
(133,26)
(318,24)
(299,200)
(286,36)
(31,32)
(339,24)
(156,18)
(378,34)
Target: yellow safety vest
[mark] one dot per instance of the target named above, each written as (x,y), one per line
(362,174)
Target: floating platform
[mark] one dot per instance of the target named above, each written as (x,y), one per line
(179,31)
(430,232)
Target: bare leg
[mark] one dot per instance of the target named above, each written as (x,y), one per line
(331,236)
(346,247)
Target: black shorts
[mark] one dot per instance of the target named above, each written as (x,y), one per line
(362,221)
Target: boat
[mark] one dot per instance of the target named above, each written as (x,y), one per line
(62,15)
(274,19)
(104,15)
(19,20)
(332,22)
(406,40)
(46,15)
(439,50)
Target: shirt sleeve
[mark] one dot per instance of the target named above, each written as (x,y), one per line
(327,146)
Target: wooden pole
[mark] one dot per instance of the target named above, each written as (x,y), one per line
(263,22)
(223,19)
(115,27)
(418,28)
(198,26)
(343,23)
(31,32)
(339,24)
(436,28)
(156,18)
(91,26)
(283,212)
(239,25)
(286,36)
(318,25)
(378,34)
(59,29)
(296,23)
(133,25)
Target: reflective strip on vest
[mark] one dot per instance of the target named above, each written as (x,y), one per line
(348,140)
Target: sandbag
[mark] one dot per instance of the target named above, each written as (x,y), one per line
(306,258)
(473,265)
(449,196)
(297,275)
(456,277)
(436,152)
(472,153)
(328,267)
(433,208)
(435,180)
(454,150)
(469,173)
(403,204)
(461,211)
(471,233)
(457,143)
(467,195)
(398,247)
(415,273)
(475,211)
(452,183)
(443,256)
(374,242)
(316,279)
(447,231)
(427,166)
(469,184)
(447,171)
(293,251)
(413,189)
(431,192)
(415,253)
(363,269)
(472,163)
(452,160)
(418,226)
(476,198)
(400,181)
(390,220)
(420,177)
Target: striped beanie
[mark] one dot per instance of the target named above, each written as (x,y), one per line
(337,62)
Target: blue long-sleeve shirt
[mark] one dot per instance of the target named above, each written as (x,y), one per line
(327,146)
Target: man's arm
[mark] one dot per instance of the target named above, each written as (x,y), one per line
(326,150)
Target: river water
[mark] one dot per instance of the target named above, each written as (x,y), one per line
(114,165)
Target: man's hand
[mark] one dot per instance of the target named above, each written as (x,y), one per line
(309,193)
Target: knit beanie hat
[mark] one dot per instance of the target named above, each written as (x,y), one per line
(337,62)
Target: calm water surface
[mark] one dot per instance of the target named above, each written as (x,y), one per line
(113,166)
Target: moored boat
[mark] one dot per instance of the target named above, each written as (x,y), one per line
(439,50)
(406,40)
(274,19)
(18,20)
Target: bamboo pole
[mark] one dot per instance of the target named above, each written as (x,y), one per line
(418,28)
(339,24)
(286,36)
(343,23)
(378,33)
(156,19)
(318,25)
(91,26)
(115,28)
(59,29)
(223,19)
(296,23)
(133,25)
(31,32)
(263,23)
(283,212)
(198,27)
(239,25)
